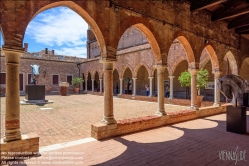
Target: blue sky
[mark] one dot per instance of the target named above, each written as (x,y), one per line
(1,39)
(60,29)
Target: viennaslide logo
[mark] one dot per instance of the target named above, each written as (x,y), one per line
(233,155)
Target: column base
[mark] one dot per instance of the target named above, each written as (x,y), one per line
(194,107)
(217,104)
(108,120)
(12,134)
(160,112)
(28,145)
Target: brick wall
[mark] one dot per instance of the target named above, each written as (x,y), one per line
(51,66)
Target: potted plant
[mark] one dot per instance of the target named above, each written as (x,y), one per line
(202,81)
(76,82)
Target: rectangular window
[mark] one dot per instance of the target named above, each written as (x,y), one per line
(69,79)
(55,79)
(2,78)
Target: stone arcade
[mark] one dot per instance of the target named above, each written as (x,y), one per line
(167,22)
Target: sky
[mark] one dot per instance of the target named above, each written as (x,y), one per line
(59,29)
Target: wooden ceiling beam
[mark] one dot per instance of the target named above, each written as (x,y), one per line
(230,14)
(205,4)
(239,22)
(242,29)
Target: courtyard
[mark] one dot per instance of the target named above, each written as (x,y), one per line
(70,117)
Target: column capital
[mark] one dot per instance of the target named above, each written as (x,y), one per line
(171,76)
(134,78)
(7,48)
(150,77)
(217,73)
(160,66)
(121,78)
(107,65)
(193,66)
(101,79)
(193,71)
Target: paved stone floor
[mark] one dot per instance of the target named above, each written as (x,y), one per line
(198,142)
(71,116)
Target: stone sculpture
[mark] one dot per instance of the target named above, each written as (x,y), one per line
(233,87)
(35,72)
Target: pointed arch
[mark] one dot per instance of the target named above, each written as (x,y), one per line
(140,65)
(188,49)
(87,74)
(178,53)
(143,25)
(83,13)
(93,73)
(125,68)
(232,62)
(115,68)
(208,53)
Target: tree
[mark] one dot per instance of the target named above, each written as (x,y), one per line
(202,79)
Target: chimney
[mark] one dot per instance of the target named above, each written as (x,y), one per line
(46,50)
(52,52)
(26,47)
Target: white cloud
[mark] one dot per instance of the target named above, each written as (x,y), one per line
(58,27)
(76,51)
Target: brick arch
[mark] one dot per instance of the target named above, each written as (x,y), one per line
(173,59)
(83,13)
(94,73)
(140,65)
(143,25)
(207,54)
(115,68)
(188,49)
(127,67)
(87,73)
(232,62)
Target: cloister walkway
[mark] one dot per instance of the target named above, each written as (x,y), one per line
(70,117)
(198,142)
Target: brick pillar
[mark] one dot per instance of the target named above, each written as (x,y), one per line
(216,89)
(92,85)
(100,85)
(134,87)
(193,73)
(12,116)
(86,85)
(108,94)
(171,91)
(121,86)
(151,78)
(160,90)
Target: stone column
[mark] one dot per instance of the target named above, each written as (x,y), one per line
(92,85)
(193,73)
(216,89)
(171,92)
(12,116)
(100,85)
(151,78)
(86,85)
(134,87)
(108,94)
(160,89)
(121,86)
